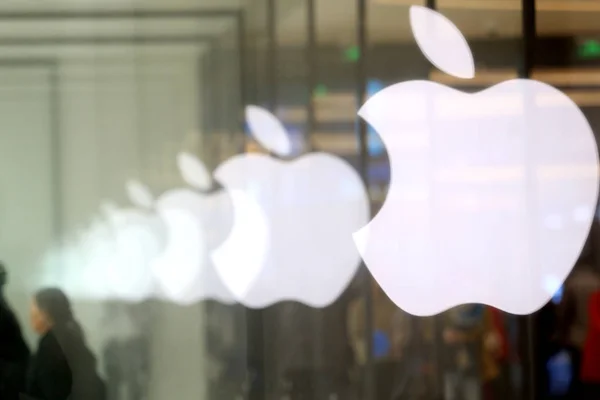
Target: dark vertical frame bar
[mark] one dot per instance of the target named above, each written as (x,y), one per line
(209,107)
(527,324)
(241,35)
(56,147)
(438,327)
(201,112)
(529,37)
(257,362)
(272,54)
(310,51)
(216,102)
(242,316)
(361,82)
(311,73)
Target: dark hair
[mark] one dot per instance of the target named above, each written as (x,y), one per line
(56,305)
(3,274)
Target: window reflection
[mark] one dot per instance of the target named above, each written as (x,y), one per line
(96,95)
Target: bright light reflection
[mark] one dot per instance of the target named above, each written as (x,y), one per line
(178,268)
(240,258)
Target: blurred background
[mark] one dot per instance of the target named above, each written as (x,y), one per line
(94,94)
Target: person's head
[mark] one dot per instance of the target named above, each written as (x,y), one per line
(51,314)
(3,275)
(50,308)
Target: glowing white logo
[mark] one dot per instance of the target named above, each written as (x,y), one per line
(113,256)
(293,222)
(161,248)
(135,238)
(492,194)
(242,255)
(196,223)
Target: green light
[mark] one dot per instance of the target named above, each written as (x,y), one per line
(320,90)
(589,49)
(352,54)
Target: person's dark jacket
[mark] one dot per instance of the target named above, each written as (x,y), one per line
(14,354)
(63,369)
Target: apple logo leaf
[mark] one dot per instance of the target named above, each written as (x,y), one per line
(139,194)
(268,130)
(441,42)
(194,171)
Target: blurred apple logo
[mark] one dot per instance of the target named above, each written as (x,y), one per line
(293,221)
(197,220)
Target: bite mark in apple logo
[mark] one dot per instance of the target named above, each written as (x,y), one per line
(510,142)
(197,220)
(293,221)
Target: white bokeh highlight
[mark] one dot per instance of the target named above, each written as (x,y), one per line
(110,258)
(178,268)
(158,249)
(240,259)
(135,238)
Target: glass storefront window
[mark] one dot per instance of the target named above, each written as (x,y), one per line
(120,121)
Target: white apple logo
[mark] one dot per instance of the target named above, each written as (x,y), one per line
(89,257)
(112,257)
(196,221)
(293,221)
(474,181)
(64,266)
(80,262)
(134,240)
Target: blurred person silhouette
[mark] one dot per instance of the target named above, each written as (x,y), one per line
(125,353)
(63,367)
(590,357)
(14,353)
(573,309)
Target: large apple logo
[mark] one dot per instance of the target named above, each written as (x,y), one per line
(475,178)
(197,221)
(293,221)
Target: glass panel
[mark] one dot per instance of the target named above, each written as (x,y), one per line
(116,120)
(432,352)
(97,101)
(566,57)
